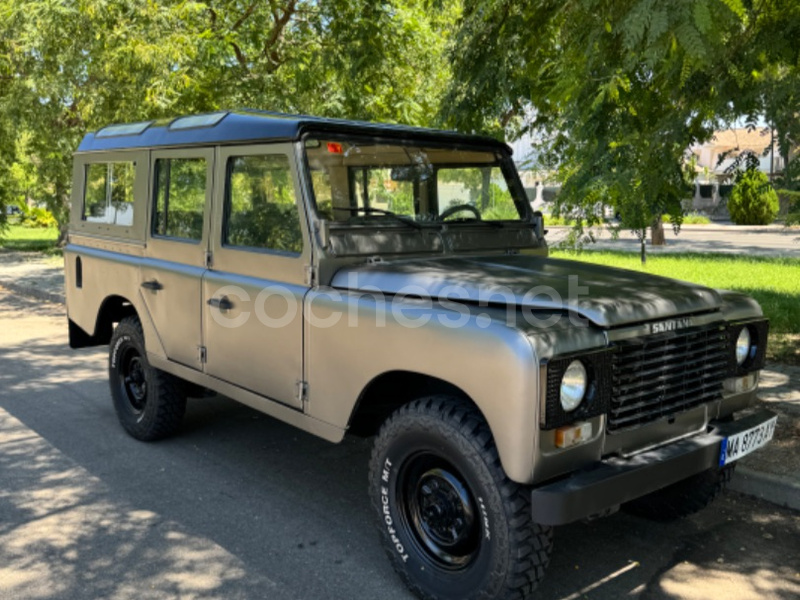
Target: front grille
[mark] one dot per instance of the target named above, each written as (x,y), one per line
(665,374)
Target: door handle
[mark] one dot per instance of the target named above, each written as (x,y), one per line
(223,303)
(153,284)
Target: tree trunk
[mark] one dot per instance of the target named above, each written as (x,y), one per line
(657,233)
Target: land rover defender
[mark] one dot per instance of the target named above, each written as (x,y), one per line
(394,282)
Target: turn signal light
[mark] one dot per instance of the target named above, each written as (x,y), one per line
(573,435)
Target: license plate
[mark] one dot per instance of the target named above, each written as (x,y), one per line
(743,443)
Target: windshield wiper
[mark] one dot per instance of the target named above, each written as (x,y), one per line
(379,211)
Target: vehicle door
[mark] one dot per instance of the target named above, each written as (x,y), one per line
(254,288)
(177,242)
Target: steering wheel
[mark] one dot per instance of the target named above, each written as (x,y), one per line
(449,212)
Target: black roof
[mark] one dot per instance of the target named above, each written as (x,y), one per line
(252,126)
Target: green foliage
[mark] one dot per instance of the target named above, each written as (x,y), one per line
(689,219)
(616,91)
(71,66)
(792,199)
(36,217)
(753,201)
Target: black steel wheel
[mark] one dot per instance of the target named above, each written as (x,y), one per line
(133,381)
(149,403)
(453,525)
(439,510)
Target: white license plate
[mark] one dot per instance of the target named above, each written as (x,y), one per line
(741,444)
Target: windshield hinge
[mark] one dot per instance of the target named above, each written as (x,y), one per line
(202,354)
(209,259)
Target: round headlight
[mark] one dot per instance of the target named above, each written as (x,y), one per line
(573,385)
(743,346)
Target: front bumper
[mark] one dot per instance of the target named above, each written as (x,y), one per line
(614,481)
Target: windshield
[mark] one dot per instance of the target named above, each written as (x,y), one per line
(358,181)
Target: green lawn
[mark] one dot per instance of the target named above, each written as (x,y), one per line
(29,239)
(773,282)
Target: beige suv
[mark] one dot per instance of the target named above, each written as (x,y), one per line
(393,282)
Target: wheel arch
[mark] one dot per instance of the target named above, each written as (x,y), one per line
(112,310)
(387,392)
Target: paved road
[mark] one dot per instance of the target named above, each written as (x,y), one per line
(760,241)
(240,506)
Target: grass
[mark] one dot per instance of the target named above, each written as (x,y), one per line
(689,219)
(29,239)
(773,282)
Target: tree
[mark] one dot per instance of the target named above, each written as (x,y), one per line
(71,66)
(619,89)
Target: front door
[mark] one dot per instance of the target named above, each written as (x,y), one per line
(177,241)
(254,289)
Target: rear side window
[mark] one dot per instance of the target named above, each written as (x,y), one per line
(180,198)
(260,209)
(108,195)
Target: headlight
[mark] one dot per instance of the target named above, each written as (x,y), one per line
(573,385)
(743,346)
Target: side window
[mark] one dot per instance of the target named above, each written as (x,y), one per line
(108,195)
(260,209)
(180,198)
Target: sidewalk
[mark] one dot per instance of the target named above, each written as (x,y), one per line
(33,274)
(772,473)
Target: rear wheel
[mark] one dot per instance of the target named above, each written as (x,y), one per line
(683,498)
(453,525)
(149,403)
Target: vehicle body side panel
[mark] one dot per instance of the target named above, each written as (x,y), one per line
(489,361)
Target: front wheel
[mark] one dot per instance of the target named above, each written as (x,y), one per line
(453,525)
(149,403)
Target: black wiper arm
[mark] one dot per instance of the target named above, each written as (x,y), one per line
(380,211)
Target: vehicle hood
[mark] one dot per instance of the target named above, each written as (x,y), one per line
(606,296)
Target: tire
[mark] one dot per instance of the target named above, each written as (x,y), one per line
(453,525)
(683,498)
(150,404)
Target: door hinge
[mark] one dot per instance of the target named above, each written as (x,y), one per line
(202,354)
(302,392)
(209,259)
(308,275)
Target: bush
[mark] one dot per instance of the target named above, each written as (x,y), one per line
(37,217)
(753,201)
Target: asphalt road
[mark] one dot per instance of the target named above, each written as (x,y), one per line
(241,506)
(746,241)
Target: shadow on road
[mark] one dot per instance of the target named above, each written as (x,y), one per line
(239,505)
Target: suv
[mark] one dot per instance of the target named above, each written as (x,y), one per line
(394,282)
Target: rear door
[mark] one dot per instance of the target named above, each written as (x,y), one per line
(177,242)
(254,289)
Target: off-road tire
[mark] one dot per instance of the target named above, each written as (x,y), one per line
(150,403)
(683,498)
(507,553)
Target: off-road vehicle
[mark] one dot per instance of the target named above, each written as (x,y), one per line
(394,282)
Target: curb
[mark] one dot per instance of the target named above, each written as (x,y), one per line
(765,486)
(33,292)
